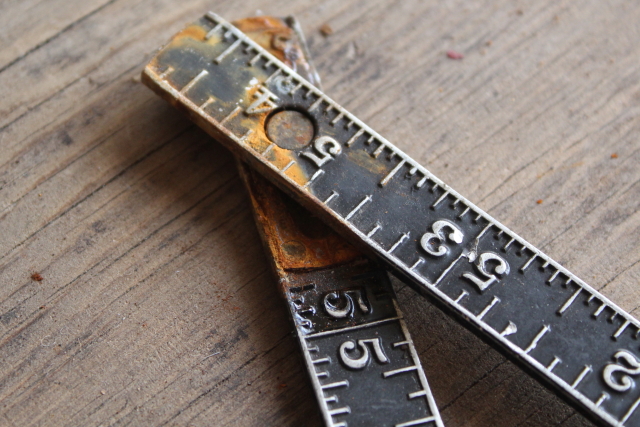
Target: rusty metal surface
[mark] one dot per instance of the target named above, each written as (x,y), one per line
(294,237)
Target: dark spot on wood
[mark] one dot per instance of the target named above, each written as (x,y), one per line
(99,227)
(7,317)
(36,277)
(65,138)
(326,30)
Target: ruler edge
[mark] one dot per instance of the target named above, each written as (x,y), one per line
(169,93)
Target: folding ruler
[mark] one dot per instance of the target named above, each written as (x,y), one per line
(541,316)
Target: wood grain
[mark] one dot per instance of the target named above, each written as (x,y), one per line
(157,306)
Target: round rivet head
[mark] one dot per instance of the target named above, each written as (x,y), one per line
(290,129)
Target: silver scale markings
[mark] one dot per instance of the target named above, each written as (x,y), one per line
(614,368)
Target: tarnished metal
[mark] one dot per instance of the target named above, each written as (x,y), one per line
(290,129)
(342,304)
(547,320)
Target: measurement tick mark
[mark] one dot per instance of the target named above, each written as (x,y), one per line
(295,89)
(398,242)
(418,393)
(417,422)
(268,149)
(378,150)
(206,103)
(291,163)
(537,338)
(399,371)
(351,140)
(553,363)
(374,230)
(227,51)
(528,263)
(213,31)
(599,310)
(508,244)
(364,201)
(420,183)
(255,59)
(273,76)
(340,411)
(630,412)
(489,306)
(621,329)
(440,199)
(604,396)
(337,384)
(570,301)
(553,276)
(315,176)
(193,81)
(461,296)
(231,115)
(390,175)
(333,195)
(585,371)
(315,104)
(417,264)
(337,119)
(166,73)
(244,137)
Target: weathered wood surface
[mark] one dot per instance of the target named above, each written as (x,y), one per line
(157,306)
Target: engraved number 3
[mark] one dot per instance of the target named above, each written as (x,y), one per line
(325,146)
(481,264)
(438,235)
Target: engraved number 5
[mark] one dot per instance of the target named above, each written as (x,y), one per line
(501,269)
(325,153)
(361,362)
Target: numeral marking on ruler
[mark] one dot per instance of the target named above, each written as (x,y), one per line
(399,215)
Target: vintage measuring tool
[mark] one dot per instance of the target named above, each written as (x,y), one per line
(362,363)
(544,318)
(358,352)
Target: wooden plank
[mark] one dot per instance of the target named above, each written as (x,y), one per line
(29,24)
(156,304)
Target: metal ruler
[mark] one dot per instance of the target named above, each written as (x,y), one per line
(357,349)
(544,318)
